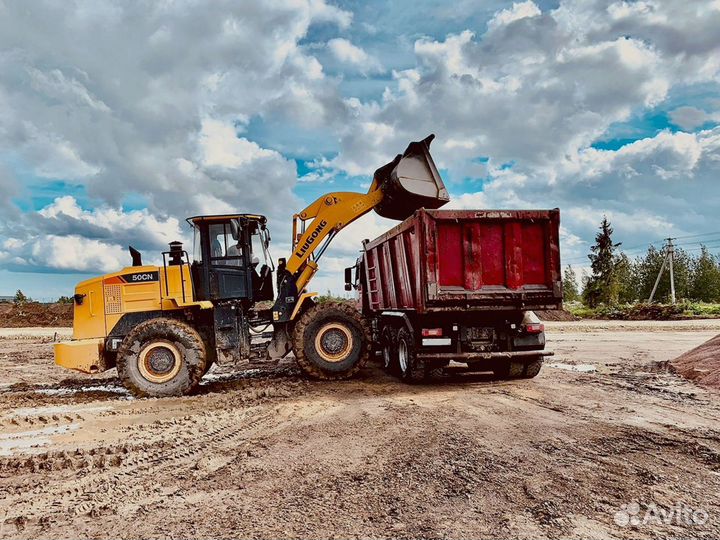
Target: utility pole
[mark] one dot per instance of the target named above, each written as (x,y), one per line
(667,259)
(671,256)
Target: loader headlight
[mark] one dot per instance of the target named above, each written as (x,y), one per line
(78,299)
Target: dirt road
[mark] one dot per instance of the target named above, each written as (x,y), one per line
(266,453)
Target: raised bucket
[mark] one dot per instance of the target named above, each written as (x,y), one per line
(409,182)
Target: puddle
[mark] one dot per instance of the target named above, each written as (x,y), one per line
(32,440)
(58,409)
(71,391)
(582,368)
(228,377)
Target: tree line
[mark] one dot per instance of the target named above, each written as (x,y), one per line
(618,279)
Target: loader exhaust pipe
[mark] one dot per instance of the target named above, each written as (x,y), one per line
(409,182)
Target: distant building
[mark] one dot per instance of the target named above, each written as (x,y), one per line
(7,298)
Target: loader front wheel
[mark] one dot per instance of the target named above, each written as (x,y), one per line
(161,357)
(331,341)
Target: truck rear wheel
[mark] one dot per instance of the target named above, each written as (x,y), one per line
(161,357)
(331,341)
(532,367)
(519,369)
(412,368)
(388,341)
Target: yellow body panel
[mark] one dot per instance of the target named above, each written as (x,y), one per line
(303,297)
(107,298)
(89,316)
(82,355)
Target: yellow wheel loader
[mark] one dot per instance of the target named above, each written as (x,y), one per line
(163,327)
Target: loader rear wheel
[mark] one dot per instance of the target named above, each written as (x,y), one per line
(161,357)
(412,368)
(331,341)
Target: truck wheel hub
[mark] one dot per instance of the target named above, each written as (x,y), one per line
(159,362)
(333,342)
(403,355)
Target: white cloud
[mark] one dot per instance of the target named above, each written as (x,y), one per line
(353,55)
(77,253)
(222,147)
(158,114)
(137,227)
(519,10)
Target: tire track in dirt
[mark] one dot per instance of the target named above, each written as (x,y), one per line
(113,471)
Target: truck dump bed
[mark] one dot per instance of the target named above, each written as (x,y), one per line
(442,260)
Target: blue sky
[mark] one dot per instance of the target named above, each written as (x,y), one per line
(113,137)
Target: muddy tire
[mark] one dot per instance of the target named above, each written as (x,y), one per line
(410,367)
(523,369)
(161,357)
(331,341)
(532,367)
(516,370)
(388,344)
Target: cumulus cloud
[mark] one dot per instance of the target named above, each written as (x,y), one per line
(151,104)
(519,10)
(535,91)
(351,54)
(166,112)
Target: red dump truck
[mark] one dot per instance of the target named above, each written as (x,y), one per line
(447,285)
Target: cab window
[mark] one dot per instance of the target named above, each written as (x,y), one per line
(224,249)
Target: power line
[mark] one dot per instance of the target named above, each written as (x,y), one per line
(696,235)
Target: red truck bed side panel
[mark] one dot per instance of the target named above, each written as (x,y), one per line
(485,259)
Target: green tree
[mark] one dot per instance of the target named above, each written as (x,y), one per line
(648,268)
(20,297)
(602,287)
(65,300)
(570,285)
(705,278)
(627,283)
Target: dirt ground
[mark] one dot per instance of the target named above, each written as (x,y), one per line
(603,436)
(701,365)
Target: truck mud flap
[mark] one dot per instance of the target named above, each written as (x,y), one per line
(410,182)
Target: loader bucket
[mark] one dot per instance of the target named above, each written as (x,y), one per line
(409,182)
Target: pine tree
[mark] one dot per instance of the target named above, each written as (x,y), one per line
(570,285)
(602,287)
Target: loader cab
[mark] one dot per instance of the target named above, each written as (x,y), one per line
(230,258)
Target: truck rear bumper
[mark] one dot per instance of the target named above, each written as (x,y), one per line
(476,356)
(85,355)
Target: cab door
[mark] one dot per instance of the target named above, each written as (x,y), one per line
(228,261)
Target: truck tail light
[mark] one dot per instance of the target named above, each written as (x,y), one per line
(432,332)
(534,328)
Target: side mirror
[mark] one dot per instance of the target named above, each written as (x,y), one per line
(348,279)
(235,229)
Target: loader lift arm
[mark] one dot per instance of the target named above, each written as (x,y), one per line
(409,182)
(330,213)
